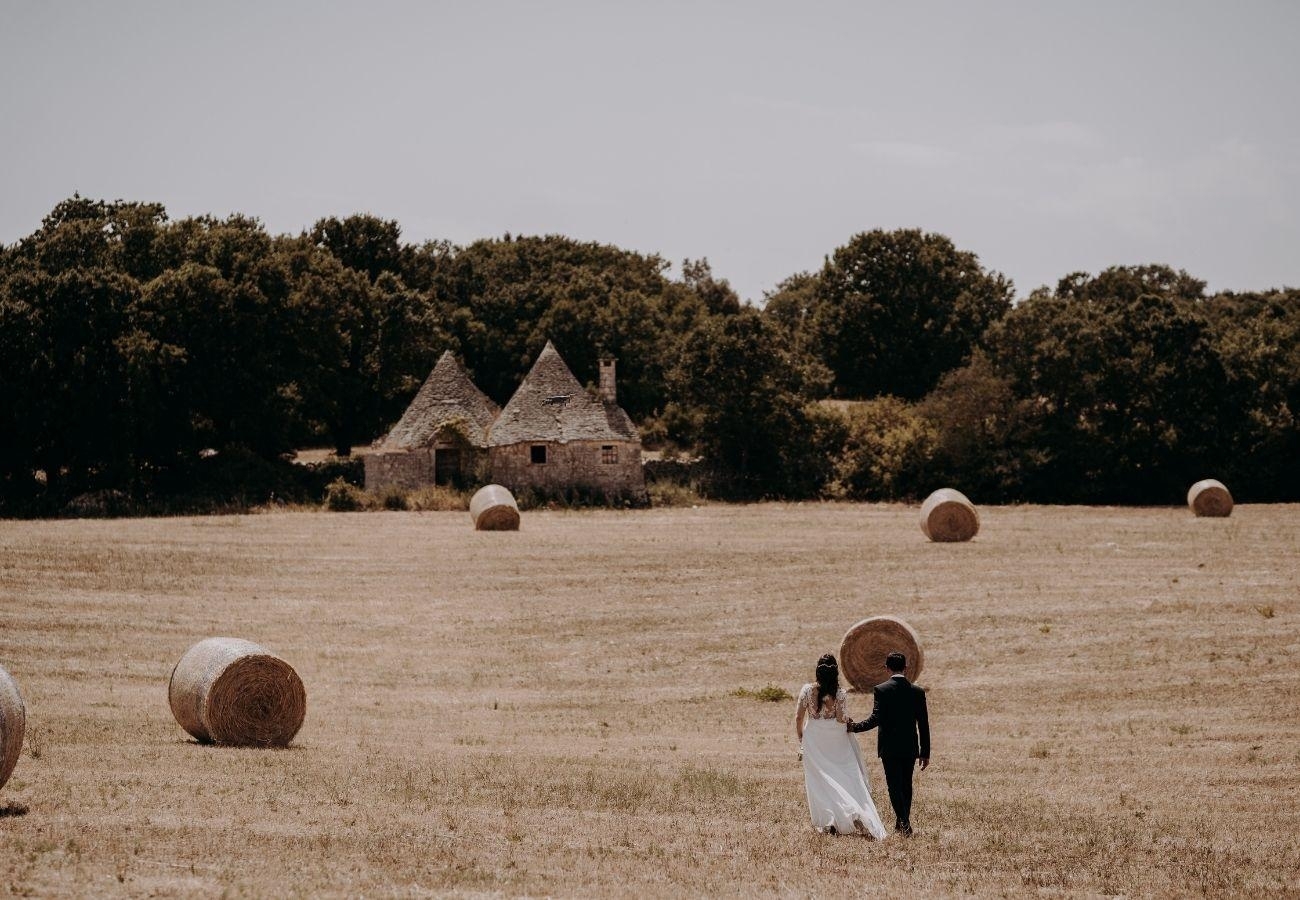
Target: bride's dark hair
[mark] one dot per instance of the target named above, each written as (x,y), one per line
(828,679)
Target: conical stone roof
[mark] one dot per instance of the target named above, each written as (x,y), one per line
(550,405)
(446,394)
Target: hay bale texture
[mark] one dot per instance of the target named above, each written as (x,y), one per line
(1210,498)
(947,516)
(13,722)
(866,644)
(493,508)
(230,691)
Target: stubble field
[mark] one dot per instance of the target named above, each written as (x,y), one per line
(1114,693)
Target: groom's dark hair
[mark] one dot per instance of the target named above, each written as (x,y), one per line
(895,662)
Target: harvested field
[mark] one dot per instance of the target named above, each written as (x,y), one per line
(1115,697)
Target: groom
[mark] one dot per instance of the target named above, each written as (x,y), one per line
(901,715)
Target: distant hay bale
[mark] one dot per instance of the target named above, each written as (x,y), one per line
(866,644)
(493,508)
(229,691)
(947,516)
(1210,498)
(13,722)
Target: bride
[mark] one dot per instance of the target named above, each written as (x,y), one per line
(834,775)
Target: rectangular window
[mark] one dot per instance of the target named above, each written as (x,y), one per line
(608,453)
(537,454)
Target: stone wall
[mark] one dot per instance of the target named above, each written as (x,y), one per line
(405,469)
(577,464)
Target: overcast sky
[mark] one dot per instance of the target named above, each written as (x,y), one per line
(1045,137)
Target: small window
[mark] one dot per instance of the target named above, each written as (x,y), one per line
(608,453)
(537,454)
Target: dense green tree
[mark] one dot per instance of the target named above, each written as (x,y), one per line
(792,303)
(1257,338)
(982,432)
(715,293)
(363,243)
(1128,395)
(885,451)
(130,343)
(746,407)
(1127,283)
(893,310)
(501,300)
(65,293)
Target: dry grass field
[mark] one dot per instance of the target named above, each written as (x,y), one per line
(1115,696)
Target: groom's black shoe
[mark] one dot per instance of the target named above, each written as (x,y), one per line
(905,829)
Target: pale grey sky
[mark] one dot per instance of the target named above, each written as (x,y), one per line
(1046,137)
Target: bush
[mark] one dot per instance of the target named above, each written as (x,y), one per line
(770,694)
(577,498)
(886,451)
(340,496)
(103,504)
(438,498)
(392,498)
(669,493)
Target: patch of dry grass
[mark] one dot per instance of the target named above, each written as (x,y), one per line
(552,711)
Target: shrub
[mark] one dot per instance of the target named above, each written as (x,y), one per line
(579,497)
(438,498)
(104,504)
(885,453)
(393,498)
(770,694)
(667,493)
(340,496)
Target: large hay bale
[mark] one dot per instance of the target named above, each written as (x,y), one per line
(947,516)
(13,722)
(493,508)
(229,691)
(1210,498)
(866,644)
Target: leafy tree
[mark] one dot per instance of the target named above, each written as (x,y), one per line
(1127,394)
(885,452)
(893,310)
(983,433)
(1128,283)
(363,243)
(1257,338)
(716,294)
(64,296)
(745,406)
(792,303)
(501,300)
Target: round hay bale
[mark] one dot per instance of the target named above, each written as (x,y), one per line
(1210,498)
(229,691)
(13,722)
(866,644)
(947,516)
(493,508)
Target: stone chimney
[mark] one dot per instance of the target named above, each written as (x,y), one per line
(608,388)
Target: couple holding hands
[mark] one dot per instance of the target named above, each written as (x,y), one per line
(834,773)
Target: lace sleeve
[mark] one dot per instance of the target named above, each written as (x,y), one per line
(841,705)
(804,695)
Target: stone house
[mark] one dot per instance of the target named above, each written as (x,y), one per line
(555,436)
(442,437)
(552,436)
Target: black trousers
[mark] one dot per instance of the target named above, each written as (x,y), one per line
(898,778)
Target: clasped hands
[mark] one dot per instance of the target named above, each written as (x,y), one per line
(924,761)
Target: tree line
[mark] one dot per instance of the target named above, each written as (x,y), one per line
(135,349)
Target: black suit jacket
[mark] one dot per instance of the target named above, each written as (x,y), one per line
(904,722)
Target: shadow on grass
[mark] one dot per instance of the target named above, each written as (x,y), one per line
(210,745)
(13,810)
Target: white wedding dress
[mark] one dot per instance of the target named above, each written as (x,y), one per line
(833,771)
